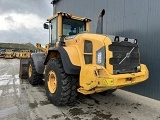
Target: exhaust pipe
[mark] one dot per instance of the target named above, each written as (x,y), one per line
(99,29)
(54,7)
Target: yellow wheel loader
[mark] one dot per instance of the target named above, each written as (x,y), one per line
(17,54)
(24,54)
(9,54)
(80,61)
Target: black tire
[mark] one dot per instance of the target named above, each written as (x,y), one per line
(35,78)
(66,88)
(108,92)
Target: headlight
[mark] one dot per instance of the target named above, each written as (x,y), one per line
(100,56)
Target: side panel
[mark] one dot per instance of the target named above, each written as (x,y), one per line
(73,55)
(69,67)
(39,59)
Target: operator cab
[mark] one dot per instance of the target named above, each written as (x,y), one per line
(72,26)
(64,24)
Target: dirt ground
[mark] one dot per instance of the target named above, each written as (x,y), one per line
(21,101)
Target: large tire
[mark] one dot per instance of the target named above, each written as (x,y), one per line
(33,77)
(60,87)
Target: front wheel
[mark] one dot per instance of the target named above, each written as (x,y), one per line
(60,87)
(33,76)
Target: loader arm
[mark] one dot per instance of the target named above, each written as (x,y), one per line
(39,47)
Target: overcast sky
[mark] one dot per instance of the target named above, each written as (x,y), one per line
(21,21)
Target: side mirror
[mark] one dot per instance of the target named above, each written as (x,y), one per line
(45,26)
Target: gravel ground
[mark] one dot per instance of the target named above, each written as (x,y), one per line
(21,101)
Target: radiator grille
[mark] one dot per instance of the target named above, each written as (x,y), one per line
(126,57)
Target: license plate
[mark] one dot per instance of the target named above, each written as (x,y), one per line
(108,81)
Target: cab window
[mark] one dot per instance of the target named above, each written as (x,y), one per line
(54,30)
(72,27)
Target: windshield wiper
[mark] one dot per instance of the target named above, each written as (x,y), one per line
(127,55)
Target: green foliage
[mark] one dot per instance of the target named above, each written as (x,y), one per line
(27,46)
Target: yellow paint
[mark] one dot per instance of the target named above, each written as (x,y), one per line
(88,26)
(51,18)
(30,71)
(73,55)
(52,81)
(109,81)
(78,42)
(109,55)
(72,17)
(9,54)
(45,50)
(59,25)
(94,78)
(23,54)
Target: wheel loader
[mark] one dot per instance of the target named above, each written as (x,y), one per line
(9,54)
(78,61)
(24,54)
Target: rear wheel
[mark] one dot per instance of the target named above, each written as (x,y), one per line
(60,87)
(23,70)
(33,76)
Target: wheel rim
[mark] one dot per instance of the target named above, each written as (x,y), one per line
(52,81)
(30,70)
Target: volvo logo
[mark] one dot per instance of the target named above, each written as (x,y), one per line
(127,55)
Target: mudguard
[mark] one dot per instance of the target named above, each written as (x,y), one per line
(39,59)
(23,71)
(68,66)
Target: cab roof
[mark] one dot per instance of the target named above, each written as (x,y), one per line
(70,15)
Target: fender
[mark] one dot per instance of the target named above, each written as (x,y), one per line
(69,68)
(39,59)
